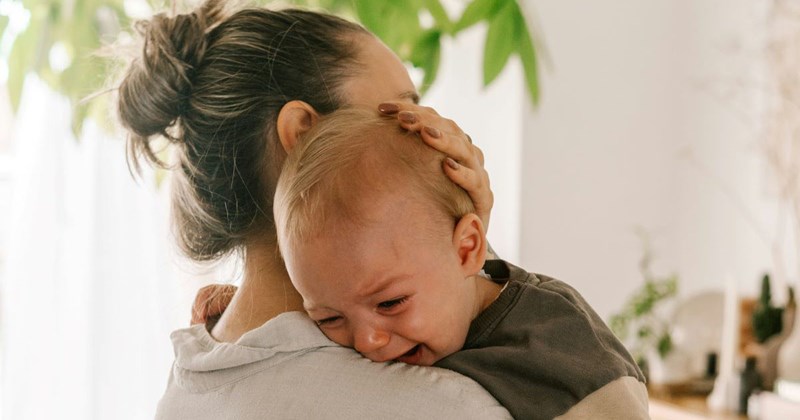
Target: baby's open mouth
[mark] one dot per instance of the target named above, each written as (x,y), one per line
(411,352)
(412,356)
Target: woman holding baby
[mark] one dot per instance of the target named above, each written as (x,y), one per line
(237,91)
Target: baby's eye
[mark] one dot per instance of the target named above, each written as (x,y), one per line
(328,321)
(389,304)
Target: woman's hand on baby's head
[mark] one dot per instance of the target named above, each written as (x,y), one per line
(464,165)
(210,302)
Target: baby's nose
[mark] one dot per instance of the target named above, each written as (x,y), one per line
(370,340)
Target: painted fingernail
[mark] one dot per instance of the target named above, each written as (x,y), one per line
(451,163)
(407,117)
(388,108)
(433,132)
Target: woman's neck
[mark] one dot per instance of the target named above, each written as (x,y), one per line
(265,293)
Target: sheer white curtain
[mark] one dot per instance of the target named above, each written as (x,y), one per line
(90,290)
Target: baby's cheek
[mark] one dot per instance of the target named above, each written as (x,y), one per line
(337,337)
(457,334)
(420,323)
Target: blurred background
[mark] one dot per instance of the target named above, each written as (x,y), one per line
(645,152)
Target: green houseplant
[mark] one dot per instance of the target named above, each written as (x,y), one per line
(73,31)
(640,324)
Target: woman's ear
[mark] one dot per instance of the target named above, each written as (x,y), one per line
(469,241)
(294,120)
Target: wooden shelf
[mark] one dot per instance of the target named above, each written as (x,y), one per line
(690,407)
(667,404)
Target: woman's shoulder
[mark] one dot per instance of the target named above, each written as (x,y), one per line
(425,392)
(288,369)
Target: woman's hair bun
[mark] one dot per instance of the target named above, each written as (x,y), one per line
(214,81)
(157,86)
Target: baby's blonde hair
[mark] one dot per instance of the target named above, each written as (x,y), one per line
(349,155)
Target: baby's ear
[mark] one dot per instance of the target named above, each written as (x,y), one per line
(294,120)
(469,241)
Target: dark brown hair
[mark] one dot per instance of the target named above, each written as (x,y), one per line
(213,82)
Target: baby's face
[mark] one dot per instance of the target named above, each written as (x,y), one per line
(392,288)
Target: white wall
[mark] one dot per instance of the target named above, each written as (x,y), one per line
(635,86)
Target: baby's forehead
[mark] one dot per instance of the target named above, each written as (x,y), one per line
(392,151)
(388,161)
(378,202)
(395,167)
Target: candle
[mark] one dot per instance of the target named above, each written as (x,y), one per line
(724,395)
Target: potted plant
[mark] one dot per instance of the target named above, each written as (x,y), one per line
(641,323)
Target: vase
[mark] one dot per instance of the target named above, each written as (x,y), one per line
(670,369)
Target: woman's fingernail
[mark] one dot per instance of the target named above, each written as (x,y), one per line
(388,108)
(433,132)
(408,117)
(451,163)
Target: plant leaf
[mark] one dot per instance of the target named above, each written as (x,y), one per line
(527,54)
(84,77)
(395,22)
(440,15)
(664,345)
(3,24)
(477,11)
(499,43)
(79,115)
(403,28)
(644,332)
(22,59)
(426,55)
(336,5)
(370,13)
(619,325)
